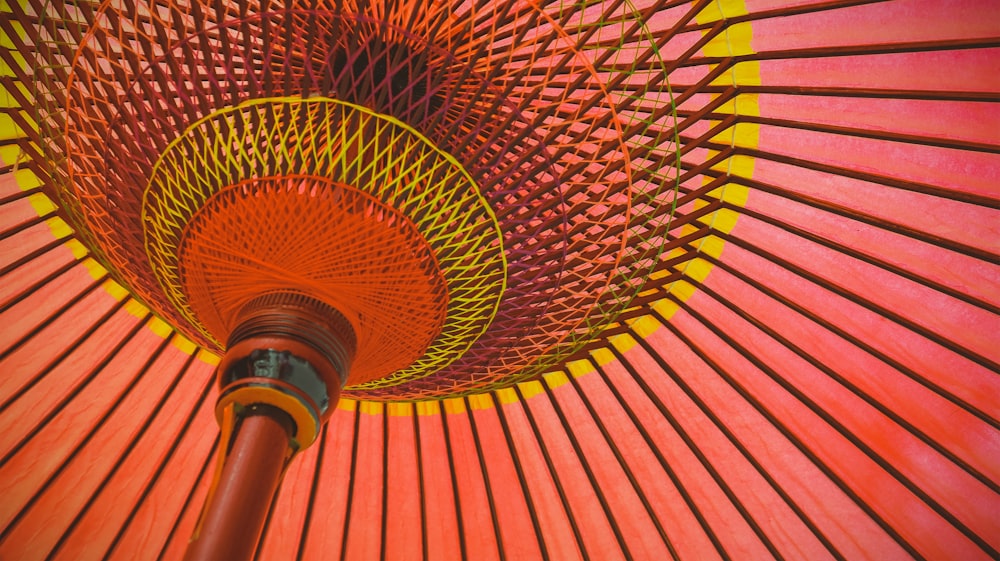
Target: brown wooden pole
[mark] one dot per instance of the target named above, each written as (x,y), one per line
(279,382)
(234,517)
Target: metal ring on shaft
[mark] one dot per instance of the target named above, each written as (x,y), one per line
(291,352)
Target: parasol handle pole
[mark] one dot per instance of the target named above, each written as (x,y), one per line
(237,507)
(279,381)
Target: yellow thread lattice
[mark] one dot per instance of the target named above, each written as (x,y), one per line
(349,145)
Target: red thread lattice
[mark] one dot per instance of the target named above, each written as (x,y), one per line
(329,241)
(561,118)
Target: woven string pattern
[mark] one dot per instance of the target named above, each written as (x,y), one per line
(343,243)
(562,119)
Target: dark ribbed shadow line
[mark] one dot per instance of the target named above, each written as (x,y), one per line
(353,478)
(311,505)
(69,457)
(869,177)
(38,253)
(664,463)
(717,422)
(80,385)
(539,536)
(877,48)
(9,141)
(578,450)
(873,307)
(270,515)
(710,468)
(29,291)
(833,422)
(486,479)
(385,480)
(18,195)
(860,256)
(861,394)
(871,93)
(129,449)
(202,473)
(552,471)
(37,285)
(797,10)
(762,409)
(174,448)
(888,136)
(421,487)
(26,225)
(64,353)
(622,462)
(863,217)
(454,483)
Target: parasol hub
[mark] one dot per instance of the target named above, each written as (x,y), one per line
(290,352)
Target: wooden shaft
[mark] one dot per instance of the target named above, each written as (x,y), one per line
(234,518)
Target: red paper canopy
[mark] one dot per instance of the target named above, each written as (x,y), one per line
(810,373)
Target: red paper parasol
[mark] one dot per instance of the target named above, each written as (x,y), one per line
(656,280)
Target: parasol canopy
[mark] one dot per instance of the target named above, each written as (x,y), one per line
(655,280)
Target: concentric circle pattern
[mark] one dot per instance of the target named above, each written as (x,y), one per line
(371,264)
(811,371)
(562,123)
(345,243)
